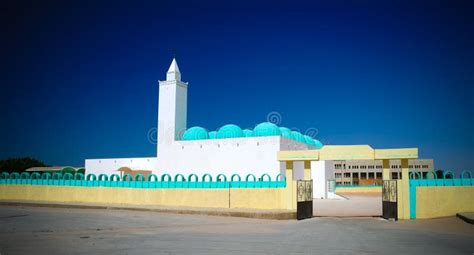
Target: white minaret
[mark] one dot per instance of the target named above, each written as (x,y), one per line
(172,108)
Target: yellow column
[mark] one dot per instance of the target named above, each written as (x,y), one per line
(290,186)
(289,172)
(386,169)
(307,170)
(404,190)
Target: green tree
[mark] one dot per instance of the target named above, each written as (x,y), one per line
(19,164)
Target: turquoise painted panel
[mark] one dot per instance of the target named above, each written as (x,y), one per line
(179,184)
(467,182)
(139,182)
(457,182)
(413,201)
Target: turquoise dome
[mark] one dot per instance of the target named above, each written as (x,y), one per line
(248,133)
(230,131)
(285,132)
(309,140)
(212,135)
(318,144)
(297,136)
(266,129)
(195,133)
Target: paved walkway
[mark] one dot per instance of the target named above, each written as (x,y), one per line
(356,205)
(33,230)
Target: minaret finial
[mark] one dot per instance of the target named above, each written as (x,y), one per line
(173,73)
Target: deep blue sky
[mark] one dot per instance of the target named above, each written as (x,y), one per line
(79,80)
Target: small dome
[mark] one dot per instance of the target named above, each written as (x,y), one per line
(318,144)
(195,133)
(212,135)
(297,136)
(248,133)
(285,132)
(309,140)
(266,129)
(230,131)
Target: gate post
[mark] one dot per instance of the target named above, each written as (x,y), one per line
(386,170)
(404,192)
(290,186)
(307,170)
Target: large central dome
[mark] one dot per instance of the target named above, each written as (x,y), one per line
(266,129)
(230,131)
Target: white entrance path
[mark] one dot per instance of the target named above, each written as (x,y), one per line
(356,205)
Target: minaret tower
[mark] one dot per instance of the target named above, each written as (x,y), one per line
(172,108)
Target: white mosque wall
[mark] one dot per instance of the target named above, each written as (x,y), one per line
(111,165)
(243,156)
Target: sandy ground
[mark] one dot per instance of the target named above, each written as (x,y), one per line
(29,230)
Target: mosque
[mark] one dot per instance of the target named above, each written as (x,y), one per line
(229,150)
(232,150)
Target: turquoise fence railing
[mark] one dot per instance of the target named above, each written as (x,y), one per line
(431,180)
(164,181)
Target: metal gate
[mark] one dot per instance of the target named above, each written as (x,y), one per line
(304,207)
(389,200)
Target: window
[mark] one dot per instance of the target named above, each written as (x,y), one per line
(371,175)
(363,175)
(394,176)
(337,175)
(379,176)
(347,175)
